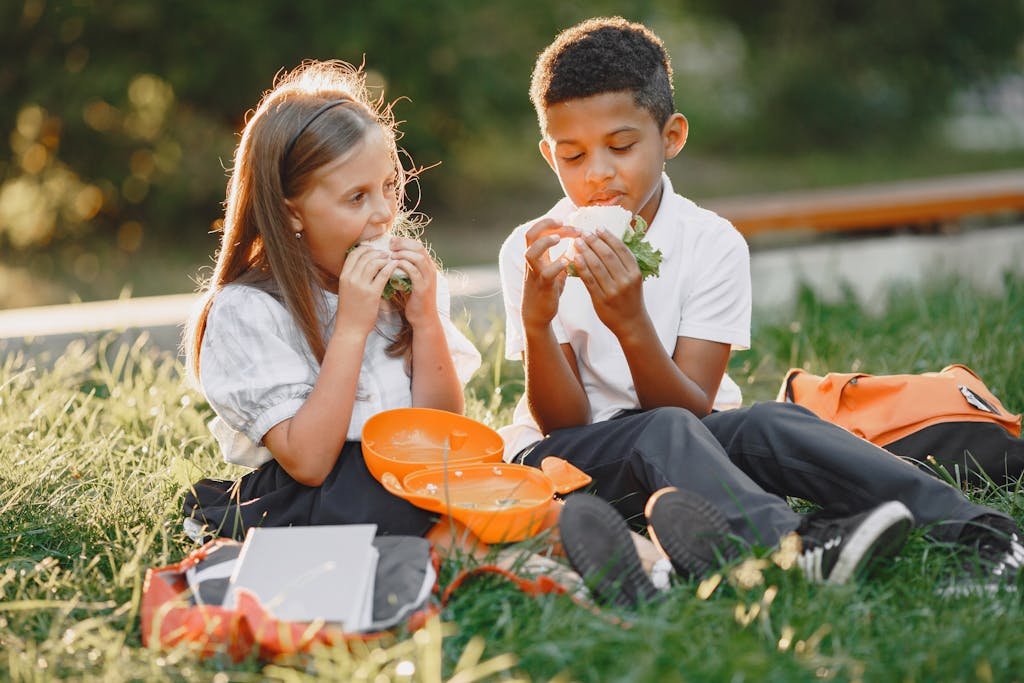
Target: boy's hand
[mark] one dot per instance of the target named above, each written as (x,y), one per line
(360,284)
(611,275)
(544,278)
(411,256)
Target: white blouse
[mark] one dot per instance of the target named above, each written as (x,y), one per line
(257,370)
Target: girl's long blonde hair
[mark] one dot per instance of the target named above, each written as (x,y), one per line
(257,243)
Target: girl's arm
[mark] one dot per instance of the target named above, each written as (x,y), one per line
(690,377)
(308,444)
(554,390)
(435,383)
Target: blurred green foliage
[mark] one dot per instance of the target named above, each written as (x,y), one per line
(121,114)
(120,117)
(847,73)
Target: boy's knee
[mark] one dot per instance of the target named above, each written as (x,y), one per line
(775,412)
(672,423)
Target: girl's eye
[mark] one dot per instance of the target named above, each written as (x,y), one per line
(357,197)
(574,157)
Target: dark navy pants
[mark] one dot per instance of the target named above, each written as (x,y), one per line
(746,462)
(268,496)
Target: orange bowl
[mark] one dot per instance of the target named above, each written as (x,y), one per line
(407,440)
(498,502)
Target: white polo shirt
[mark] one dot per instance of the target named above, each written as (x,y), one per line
(702,291)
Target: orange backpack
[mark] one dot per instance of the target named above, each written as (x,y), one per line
(949,415)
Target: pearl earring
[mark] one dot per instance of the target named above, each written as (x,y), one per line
(298,235)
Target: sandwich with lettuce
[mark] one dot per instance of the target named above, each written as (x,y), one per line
(624,225)
(399,281)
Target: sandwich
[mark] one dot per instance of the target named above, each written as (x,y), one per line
(622,224)
(399,281)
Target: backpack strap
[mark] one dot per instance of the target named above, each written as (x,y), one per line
(542,585)
(821,395)
(786,390)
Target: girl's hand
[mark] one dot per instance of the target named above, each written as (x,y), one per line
(544,279)
(411,256)
(360,285)
(611,275)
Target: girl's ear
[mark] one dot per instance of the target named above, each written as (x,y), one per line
(293,216)
(674,134)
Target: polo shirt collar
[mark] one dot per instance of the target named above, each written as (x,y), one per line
(664,212)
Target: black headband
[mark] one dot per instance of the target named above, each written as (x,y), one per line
(295,138)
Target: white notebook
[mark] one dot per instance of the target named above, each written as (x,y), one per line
(309,573)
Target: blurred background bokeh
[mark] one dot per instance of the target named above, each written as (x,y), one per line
(120,117)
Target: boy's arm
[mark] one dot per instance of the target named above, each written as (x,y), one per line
(554,390)
(690,377)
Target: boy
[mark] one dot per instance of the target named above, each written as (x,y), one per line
(626,378)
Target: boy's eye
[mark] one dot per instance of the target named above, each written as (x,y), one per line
(623,148)
(357,197)
(573,157)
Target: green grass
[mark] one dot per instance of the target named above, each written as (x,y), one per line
(96,447)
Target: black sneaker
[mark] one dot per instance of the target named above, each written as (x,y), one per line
(599,547)
(836,549)
(689,531)
(996,543)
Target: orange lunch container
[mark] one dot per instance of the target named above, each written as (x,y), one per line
(406,440)
(498,502)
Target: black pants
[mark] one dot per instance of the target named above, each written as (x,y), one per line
(746,462)
(268,496)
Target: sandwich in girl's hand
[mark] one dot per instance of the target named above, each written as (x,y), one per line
(622,224)
(399,281)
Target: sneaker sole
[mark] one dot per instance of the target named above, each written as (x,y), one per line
(601,550)
(881,534)
(688,530)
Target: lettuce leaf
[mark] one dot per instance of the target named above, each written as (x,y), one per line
(647,257)
(397,283)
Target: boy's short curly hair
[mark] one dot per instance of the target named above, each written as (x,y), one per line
(604,54)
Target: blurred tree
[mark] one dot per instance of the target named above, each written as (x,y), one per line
(837,73)
(120,115)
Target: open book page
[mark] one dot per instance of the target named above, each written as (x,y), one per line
(366,612)
(309,573)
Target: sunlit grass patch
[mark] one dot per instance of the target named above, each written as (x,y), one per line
(97,446)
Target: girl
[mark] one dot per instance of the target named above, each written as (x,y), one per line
(293,344)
